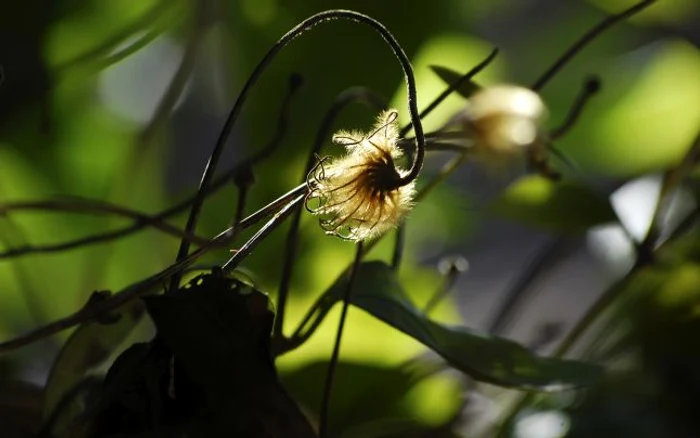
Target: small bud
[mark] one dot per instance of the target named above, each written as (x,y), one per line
(504,122)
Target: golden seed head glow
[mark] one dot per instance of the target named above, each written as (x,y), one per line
(504,121)
(360,196)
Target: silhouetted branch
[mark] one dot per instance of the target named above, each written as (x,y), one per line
(586,39)
(589,89)
(89,207)
(449,90)
(328,387)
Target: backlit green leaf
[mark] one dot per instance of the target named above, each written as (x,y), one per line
(485,358)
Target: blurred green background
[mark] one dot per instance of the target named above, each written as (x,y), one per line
(123,100)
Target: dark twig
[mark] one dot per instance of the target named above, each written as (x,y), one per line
(304,26)
(145,20)
(454,267)
(245,178)
(313,318)
(271,208)
(590,88)
(328,387)
(218,183)
(449,90)
(354,94)
(295,82)
(399,242)
(96,207)
(586,39)
(23,271)
(561,157)
(672,180)
(273,223)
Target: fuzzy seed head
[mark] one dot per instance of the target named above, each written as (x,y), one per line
(360,196)
(504,122)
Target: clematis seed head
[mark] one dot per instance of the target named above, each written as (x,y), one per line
(361,195)
(505,122)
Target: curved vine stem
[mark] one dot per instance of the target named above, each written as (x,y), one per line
(335,356)
(586,39)
(309,23)
(85,206)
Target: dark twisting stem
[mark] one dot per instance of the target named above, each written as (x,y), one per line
(672,179)
(144,222)
(586,39)
(325,404)
(273,223)
(454,270)
(286,39)
(590,88)
(240,208)
(449,90)
(399,243)
(88,206)
(243,177)
(295,83)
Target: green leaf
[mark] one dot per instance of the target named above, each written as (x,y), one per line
(88,347)
(466,89)
(641,122)
(564,206)
(485,358)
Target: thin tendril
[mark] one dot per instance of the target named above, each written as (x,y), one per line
(273,223)
(85,206)
(586,39)
(449,90)
(589,89)
(323,422)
